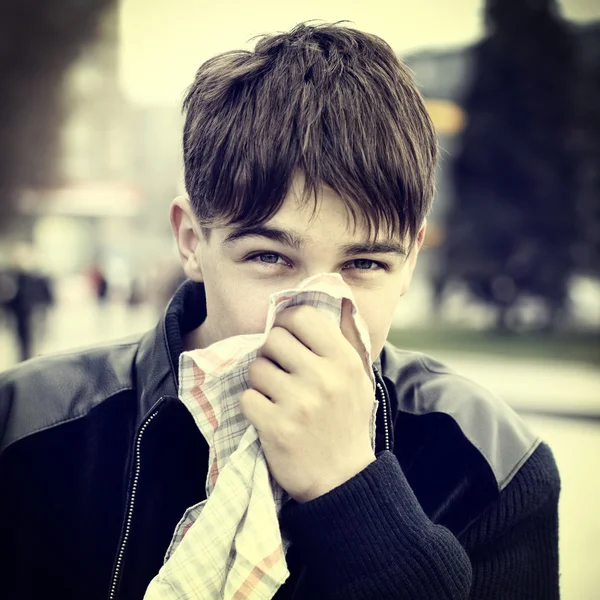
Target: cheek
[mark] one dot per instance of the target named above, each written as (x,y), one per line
(234,306)
(377,312)
(378,325)
(247,311)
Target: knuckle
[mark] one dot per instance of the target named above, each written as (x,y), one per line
(246,401)
(310,314)
(286,318)
(278,334)
(245,398)
(296,314)
(283,434)
(256,369)
(252,371)
(351,361)
(274,339)
(304,413)
(329,387)
(303,310)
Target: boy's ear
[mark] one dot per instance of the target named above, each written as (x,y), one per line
(412,258)
(187,235)
(421,235)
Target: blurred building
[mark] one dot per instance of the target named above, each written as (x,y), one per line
(95,194)
(158,166)
(119,167)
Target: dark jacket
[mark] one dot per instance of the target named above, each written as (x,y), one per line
(99,460)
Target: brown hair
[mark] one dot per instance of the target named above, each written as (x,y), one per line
(328,101)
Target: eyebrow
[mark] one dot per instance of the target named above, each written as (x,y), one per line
(296,241)
(387,247)
(281,236)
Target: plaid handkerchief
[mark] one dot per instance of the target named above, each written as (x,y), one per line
(230,546)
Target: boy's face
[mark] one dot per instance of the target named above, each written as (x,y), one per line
(241,268)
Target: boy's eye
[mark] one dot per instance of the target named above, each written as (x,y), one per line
(270,258)
(365,264)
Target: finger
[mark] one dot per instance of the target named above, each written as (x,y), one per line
(268,379)
(286,350)
(258,409)
(312,327)
(351,333)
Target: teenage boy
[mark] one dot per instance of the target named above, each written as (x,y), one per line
(313,153)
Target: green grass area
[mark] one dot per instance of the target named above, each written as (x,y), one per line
(577,347)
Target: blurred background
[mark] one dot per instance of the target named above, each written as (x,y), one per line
(508,287)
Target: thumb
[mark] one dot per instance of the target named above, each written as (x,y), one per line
(350,332)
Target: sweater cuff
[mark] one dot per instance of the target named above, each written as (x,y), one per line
(358,511)
(373,529)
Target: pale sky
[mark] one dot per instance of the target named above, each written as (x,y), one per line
(163,42)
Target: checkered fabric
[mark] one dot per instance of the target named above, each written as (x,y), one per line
(230,546)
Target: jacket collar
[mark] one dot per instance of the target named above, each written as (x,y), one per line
(157,362)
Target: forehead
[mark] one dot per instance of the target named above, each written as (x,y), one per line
(326,211)
(327,224)
(326,215)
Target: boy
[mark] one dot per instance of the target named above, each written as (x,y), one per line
(311,154)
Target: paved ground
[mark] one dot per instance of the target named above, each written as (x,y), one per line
(576,447)
(529,386)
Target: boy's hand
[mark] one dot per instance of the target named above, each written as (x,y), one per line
(311,401)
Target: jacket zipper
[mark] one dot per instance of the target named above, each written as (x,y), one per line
(138,468)
(127,529)
(386,412)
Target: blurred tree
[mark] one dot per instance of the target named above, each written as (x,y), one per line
(512,225)
(587,140)
(38,42)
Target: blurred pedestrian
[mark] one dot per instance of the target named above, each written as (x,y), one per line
(99,283)
(44,301)
(25,295)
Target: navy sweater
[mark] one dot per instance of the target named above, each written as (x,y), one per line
(371,539)
(99,460)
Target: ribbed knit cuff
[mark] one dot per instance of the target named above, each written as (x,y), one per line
(370,538)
